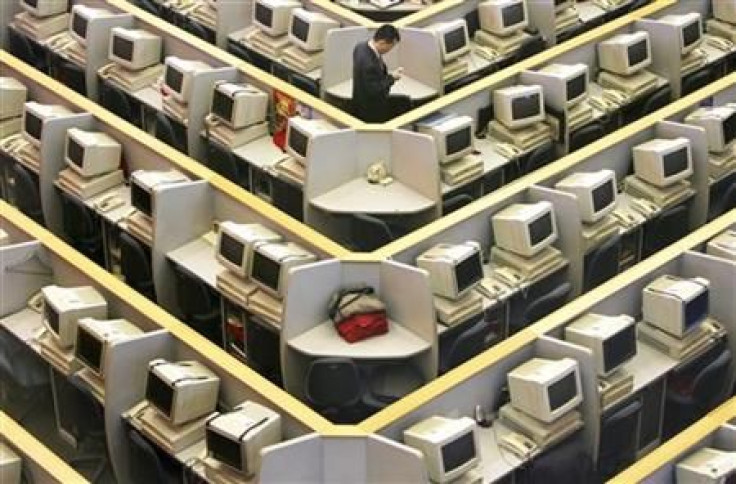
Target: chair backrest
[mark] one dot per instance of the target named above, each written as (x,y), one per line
(727,201)
(530,47)
(567,462)
(547,303)
(304,83)
(146,463)
(709,387)
(135,265)
(88,412)
(77,219)
(192,294)
(222,161)
(115,100)
(333,382)
(73,76)
(455,202)
(655,101)
(585,135)
(618,439)
(149,6)
(26,194)
(281,71)
(368,233)
(20,47)
(670,226)
(601,263)
(539,157)
(196,29)
(472,19)
(398,104)
(695,81)
(164,130)
(470,343)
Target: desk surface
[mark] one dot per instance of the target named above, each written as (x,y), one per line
(116,214)
(495,461)
(26,325)
(151,97)
(261,152)
(324,341)
(713,54)
(198,257)
(406,86)
(359,196)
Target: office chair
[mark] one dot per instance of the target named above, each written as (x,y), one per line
(724,203)
(82,228)
(695,81)
(654,101)
(281,71)
(538,158)
(264,351)
(26,194)
(199,305)
(455,202)
(471,342)
(389,382)
(618,440)
(601,263)
(72,76)
(468,79)
(198,30)
(584,136)
(116,101)
(571,32)
(288,198)
(164,131)
(472,19)
(239,51)
(689,401)
(568,462)
(149,6)
(368,233)
(398,104)
(89,428)
(530,47)
(135,264)
(20,46)
(334,388)
(25,377)
(665,229)
(300,81)
(223,162)
(545,304)
(146,463)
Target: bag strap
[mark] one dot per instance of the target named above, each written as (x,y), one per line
(340,301)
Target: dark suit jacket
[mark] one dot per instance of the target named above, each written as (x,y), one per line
(371,84)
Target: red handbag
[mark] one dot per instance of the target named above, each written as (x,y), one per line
(362,326)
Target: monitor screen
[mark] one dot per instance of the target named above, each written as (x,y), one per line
(298,142)
(637,53)
(468,272)
(513,14)
(525,106)
(562,391)
(300,28)
(697,309)
(89,349)
(140,199)
(729,129)
(52,317)
(675,162)
(603,196)
(122,48)
(576,87)
(159,393)
(691,34)
(33,126)
(222,105)
(231,249)
(619,348)
(75,152)
(266,270)
(540,229)
(458,452)
(224,450)
(454,40)
(174,78)
(79,26)
(458,141)
(263,15)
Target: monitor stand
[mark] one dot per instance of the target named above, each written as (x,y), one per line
(719,28)
(721,164)
(527,138)
(544,434)
(62,359)
(260,41)
(454,70)
(503,45)
(615,387)
(579,115)
(10,126)
(218,473)
(171,438)
(39,28)
(450,312)
(692,61)
(633,85)
(234,287)
(461,171)
(233,138)
(300,60)
(691,344)
(84,188)
(531,268)
(663,197)
(141,226)
(131,81)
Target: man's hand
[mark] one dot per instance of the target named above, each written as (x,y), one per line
(396,74)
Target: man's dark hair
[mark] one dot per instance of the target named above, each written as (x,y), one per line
(388,33)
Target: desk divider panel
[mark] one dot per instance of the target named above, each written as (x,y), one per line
(338,54)
(51,162)
(231,16)
(725,437)
(414,154)
(419,54)
(126,367)
(98,42)
(389,461)
(300,459)
(24,270)
(666,61)
(171,202)
(203,86)
(541,14)
(587,52)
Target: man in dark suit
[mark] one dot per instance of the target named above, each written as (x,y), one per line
(371,80)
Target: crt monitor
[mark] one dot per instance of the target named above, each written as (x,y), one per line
(239,105)
(271,263)
(178,77)
(612,339)
(564,85)
(724,10)
(236,438)
(13,96)
(134,49)
(273,16)
(453,38)
(91,153)
(707,465)
(689,29)
(34,117)
(301,132)
(451,446)
(595,193)
(518,106)
(502,17)
(545,389)
(235,244)
(95,336)
(308,30)
(80,19)
(719,124)
(625,54)
(454,269)
(143,184)
(64,306)
(525,228)
(44,8)
(676,305)
(453,137)
(663,162)
(181,391)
